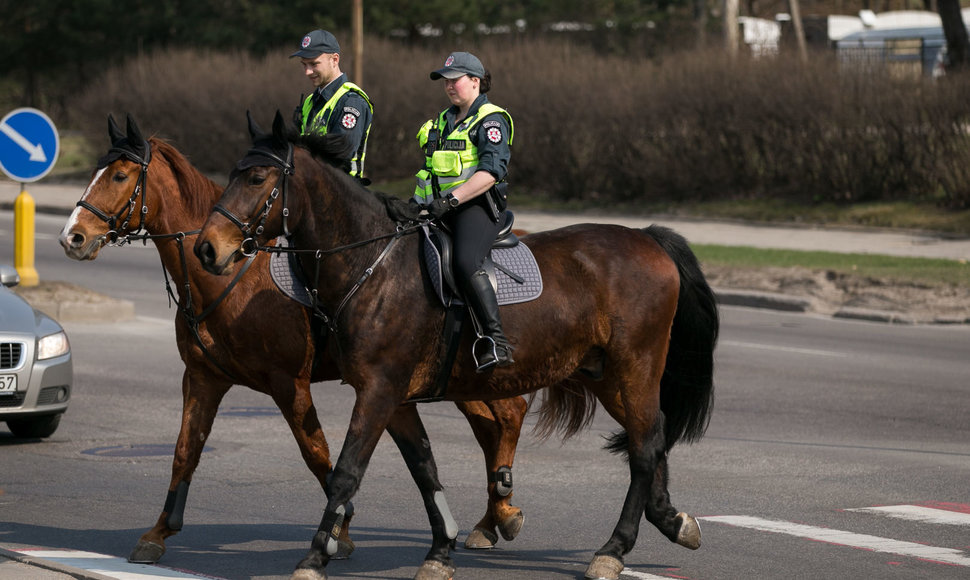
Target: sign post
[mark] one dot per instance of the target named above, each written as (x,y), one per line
(29,145)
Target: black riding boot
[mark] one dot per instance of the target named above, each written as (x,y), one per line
(481,297)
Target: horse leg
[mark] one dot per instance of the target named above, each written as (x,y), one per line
(645,450)
(408,433)
(496,425)
(372,413)
(295,401)
(679,527)
(201,395)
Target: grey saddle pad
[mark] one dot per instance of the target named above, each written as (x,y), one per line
(283,268)
(517,259)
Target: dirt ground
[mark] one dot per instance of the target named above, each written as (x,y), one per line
(829,292)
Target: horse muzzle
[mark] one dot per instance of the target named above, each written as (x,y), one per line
(79,247)
(209,257)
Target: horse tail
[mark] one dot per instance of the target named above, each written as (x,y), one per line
(687,385)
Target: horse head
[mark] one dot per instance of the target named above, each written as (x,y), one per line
(109,208)
(243,219)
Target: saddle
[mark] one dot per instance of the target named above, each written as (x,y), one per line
(510,265)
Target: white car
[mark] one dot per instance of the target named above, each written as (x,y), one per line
(36,371)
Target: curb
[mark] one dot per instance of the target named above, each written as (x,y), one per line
(768,300)
(66,302)
(788,303)
(32,562)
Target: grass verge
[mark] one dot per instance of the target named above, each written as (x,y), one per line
(929,271)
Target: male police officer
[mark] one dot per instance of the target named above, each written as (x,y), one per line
(336,105)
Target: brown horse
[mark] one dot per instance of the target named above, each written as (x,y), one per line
(252,335)
(625,317)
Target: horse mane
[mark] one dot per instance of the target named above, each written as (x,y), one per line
(191,181)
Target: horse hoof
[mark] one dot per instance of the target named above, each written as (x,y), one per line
(344,549)
(512,526)
(481,539)
(689,534)
(434,570)
(604,567)
(307,574)
(146,553)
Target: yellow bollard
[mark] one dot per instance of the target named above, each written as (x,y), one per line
(23,251)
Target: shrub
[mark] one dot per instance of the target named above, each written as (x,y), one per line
(594,128)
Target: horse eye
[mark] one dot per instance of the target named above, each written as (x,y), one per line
(120,176)
(256,179)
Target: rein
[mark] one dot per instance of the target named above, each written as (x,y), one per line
(331,321)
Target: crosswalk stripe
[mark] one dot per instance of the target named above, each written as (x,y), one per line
(110,566)
(919,514)
(839,537)
(642,575)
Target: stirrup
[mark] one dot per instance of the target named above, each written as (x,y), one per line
(482,367)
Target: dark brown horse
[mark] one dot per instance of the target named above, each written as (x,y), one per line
(625,317)
(224,328)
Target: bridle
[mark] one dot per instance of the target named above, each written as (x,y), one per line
(127,211)
(249,247)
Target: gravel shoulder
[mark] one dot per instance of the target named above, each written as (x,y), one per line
(829,293)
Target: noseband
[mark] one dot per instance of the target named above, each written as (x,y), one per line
(128,210)
(249,247)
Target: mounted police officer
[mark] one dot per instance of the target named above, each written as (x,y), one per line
(336,106)
(467,150)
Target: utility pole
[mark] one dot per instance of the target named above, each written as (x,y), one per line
(796,20)
(358,24)
(731,28)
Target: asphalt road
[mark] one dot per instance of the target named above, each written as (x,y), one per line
(822,428)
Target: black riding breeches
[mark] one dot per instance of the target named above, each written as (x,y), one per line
(474,233)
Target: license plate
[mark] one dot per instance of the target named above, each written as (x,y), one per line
(8,384)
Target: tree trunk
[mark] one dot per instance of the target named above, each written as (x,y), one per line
(955,31)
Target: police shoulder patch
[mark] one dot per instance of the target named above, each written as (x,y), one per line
(348,121)
(494,134)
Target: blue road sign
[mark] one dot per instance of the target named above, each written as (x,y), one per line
(28,144)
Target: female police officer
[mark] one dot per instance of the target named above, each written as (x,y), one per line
(467,151)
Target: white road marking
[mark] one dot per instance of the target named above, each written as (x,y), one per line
(792,349)
(642,575)
(842,538)
(919,514)
(110,566)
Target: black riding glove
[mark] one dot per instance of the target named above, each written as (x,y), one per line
(441,206)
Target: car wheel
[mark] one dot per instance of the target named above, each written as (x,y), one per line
(34,427)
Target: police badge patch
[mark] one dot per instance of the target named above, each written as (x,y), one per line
(348,121)
(494,134)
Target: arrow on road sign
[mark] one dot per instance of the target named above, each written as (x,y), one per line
(36,151)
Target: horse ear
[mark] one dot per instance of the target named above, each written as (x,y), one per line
(114,132)
(254,130)
(279,127)
(135,139)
